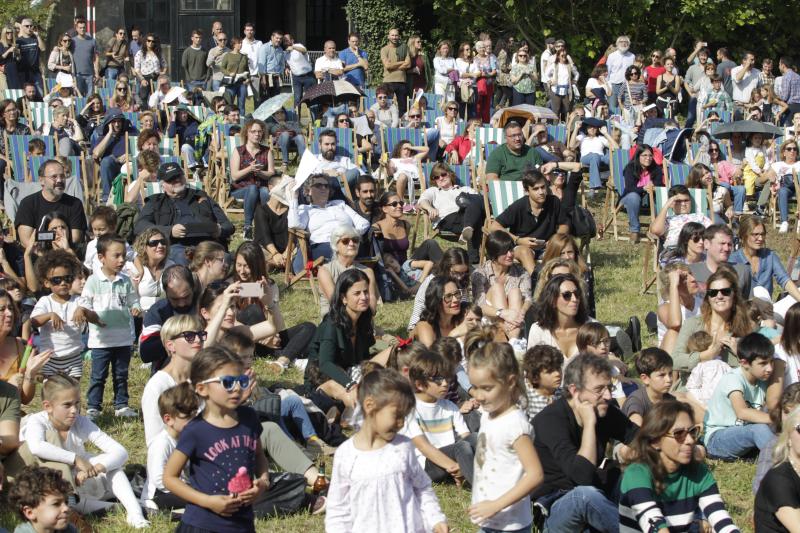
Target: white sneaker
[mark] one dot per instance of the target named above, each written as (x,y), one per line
(300,364)
(784,227)
(126,412)
(139,522)
(466,235)
(92,414)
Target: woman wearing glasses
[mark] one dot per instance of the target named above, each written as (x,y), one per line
(651,74)
(562,311)
(723,315)
(447,125)
(764,263)
(523,78)
(663,484)
(60,60)
(454,265)
(385,112)
(634,93)
(122,99)
(148,64)
(152,252)
(8,65)
(560,76)
(445,72)
(252,164)
(779,176)
(443,315)
(345,241)
(116,54)
(777,504)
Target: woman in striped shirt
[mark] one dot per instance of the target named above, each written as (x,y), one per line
(664,489)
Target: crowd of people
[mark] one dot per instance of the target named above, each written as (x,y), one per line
(505,383)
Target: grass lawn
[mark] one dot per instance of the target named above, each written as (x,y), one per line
(618,267)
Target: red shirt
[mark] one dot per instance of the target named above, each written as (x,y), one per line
(652,76)
(462,145)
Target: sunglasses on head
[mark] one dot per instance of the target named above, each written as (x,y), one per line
(156,242)
(568,295)
(191,336)
(347,241)
(680,434)
(712,293)
(396,203)
(58,280)
(229,382)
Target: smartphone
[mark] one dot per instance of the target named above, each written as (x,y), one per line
(45,236)
(251,290)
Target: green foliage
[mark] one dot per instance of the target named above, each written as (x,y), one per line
(11,9)
(373,19)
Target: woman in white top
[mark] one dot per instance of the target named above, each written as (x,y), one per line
(448,124)
(60,60)
(780,172)
(404,166)
(681,299)
(467,73)
(598,89)
(562,311)
(594,144)
(561,75)
(152,258)
(786,365)
(443,65)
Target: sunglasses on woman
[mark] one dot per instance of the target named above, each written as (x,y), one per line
(156,242)
(191,336)
(569,295)
(681,433)
(712,293)
(229,382)
(790,149)
(396,203)
(347,241)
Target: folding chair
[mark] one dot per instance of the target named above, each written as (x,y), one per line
(701,203)
(13,94)
(392,137)
(557,132)
(463,178)
(17,151)
(49,84)
(485,136)
(724,116)
(39,113)
(345,142)
(200,111)
(133,119)
(498,195)
(615,187)
(675,173)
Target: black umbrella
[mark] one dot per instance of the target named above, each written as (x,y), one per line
(747,127)
(331,91)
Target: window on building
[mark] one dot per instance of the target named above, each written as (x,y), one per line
(206,5)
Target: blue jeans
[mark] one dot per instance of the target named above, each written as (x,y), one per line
(691,115)
(215,85)
(784,193)
(616,91)
(518,98)
(177,253)
(580,508)
(633,204)
(84,83)
(283,143)
(112,73)
(432,140)
(738,194)
(251,196)
(237,91)
(320,249)
(292,408)
(109,168)
(735,441)
(593,161)
(119,357)
(301,84)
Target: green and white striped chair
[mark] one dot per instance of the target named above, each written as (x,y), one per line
(13,94)
(615,186)
(498,195)
(39,113)
(486,136)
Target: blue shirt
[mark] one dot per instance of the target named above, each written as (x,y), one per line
(271,59)
(769,265)
(357,76)
(790,87)
(133,48)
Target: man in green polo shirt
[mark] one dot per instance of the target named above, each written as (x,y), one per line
(510,160)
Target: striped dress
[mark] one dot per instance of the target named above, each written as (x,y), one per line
(690,490)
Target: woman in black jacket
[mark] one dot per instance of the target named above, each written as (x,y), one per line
(641,175)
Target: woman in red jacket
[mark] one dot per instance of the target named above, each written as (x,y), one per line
(458,151)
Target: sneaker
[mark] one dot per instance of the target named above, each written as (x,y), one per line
(138,522)
(92,414)
(784,227)
(248,233)
(319,505)
(126,412)
(466,235)
(300,364)
(319,447)
(634,331)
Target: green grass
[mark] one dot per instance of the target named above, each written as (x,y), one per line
(618,267)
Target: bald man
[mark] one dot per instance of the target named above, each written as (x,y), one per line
(329,66)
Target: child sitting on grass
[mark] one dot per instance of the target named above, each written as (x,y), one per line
(654,367)
(541,368)
(39,495)
(407,277)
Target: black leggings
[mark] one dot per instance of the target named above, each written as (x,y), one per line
(294,342)
(427,251)
(168,501)
(502,95)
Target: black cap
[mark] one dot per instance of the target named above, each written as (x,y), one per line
(169,171)
(549,40)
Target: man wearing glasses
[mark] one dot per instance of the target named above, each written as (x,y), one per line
(570,437)
(214,60)
(85,58)
(30,45)
(51,198)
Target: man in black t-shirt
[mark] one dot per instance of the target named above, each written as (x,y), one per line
(51,198)
(30,45)
(532,219)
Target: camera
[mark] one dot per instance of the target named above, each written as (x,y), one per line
(45,236)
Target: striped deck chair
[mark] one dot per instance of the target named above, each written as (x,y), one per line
(167,147)
(675,173)
(133,118)
(222,183)
(463,178)
(200,111)
(485,136)
(17,149)
(557,132)
(724,116)
(498,195)
(49,84)
(39,113)
(105,93)
(701,204)
(13,94)
(615,186)
(345,142)
(698,150)
(392,136)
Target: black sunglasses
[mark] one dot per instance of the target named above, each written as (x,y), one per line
(156,242)
(791,148)
(396,203)
(681,433)
(58,280)
(568,295)
(712,293)
(191,336)
(438,379)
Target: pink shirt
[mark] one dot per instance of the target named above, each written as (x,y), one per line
(644,179)
(725,172)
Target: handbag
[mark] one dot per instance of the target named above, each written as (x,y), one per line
(483,86)
(467,93)
(583,224)
(227,80)
(267,406)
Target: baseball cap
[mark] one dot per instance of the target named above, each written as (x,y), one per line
(549,40)
(169,171)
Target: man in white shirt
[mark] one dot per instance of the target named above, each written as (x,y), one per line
(329,66)
(335,166)
(298,64)
(166,94)
(250,46)
(617,62)
(547,56)
(744,79)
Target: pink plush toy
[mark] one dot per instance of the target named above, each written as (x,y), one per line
(240,482)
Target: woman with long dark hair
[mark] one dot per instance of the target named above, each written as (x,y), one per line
(343,340)
(680,299)
(562,311)
(148,64)
(663,484)
(641,175)
(454,265)
(443,312)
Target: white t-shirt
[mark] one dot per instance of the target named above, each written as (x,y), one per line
(498,468)
(592,145)
(447,130)
(158,452)
(444,201)
(440,422)
(325,63)
(298,61)
(792,372)
(250,49)
(151,290)
(782,168)
(67,342)
(743,90)
(685,314)
(153,425)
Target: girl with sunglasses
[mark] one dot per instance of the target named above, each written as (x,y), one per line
(443,314)
(764,263)
(723,315)
(663,479)
(562,311)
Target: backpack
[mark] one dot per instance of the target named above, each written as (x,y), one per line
(126,218)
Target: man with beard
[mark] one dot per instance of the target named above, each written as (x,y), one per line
(570,437)
(187,216)
(180,291)
(617,63)
(51,198)
(335,166)
(396,61)
(365,192)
